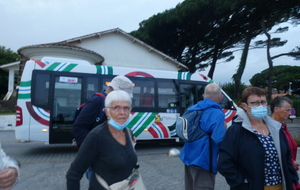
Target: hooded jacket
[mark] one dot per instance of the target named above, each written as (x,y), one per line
(212,122)
(242,156)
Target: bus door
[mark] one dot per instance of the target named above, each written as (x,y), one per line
(190,94)
(67,94)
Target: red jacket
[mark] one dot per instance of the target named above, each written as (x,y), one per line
(292,143)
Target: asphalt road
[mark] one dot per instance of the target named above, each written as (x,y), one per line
(43,167)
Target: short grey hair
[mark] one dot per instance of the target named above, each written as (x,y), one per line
(117,95)
(212,91)
(278,102)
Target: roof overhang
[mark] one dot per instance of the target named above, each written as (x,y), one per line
(11,66)
(37,52)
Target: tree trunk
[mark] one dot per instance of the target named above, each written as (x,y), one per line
(213,64)
(270,62)
(239,73)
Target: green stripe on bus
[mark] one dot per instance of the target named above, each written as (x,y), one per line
(179,75)
(23,96)
(53,66)
(145,123)
(25,83)
(69,67)
(110,70)
(189,75)
(136,118)
(99,69)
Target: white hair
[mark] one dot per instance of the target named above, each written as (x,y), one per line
(117,95)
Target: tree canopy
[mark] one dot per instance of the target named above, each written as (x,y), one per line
(6,56)
(200,33)
(283,76)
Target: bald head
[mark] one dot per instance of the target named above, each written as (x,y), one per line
(213,91)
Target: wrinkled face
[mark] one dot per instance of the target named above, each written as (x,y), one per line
(254,101)
(283,112)
(118,111)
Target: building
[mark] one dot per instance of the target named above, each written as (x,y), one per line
(109,48)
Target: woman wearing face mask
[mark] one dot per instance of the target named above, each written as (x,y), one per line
(108,148)
(254,154)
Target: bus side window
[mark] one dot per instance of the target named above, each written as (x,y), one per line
(91,87)
(187,95)
(226,103)
(167,93)
(40,90)
(143,92)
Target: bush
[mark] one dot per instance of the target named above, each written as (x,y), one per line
(229,88)
(297,139)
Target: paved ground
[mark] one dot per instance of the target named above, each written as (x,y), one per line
(44,166)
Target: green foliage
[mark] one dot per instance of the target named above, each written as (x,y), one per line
(296,106)
(283,75)
(229,88)
(297,139)
(6,56)
(199,33)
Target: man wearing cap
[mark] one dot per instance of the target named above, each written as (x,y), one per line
(86,120)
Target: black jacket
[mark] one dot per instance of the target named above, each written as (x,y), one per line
(107,157)
(241,159)
(86,120)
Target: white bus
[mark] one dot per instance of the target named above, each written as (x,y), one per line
(51,90)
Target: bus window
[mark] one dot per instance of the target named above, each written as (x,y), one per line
(67,96)
(40,90)
(226,103)
(200,91)
(147,95)
(92,86)
(143,92)
(167,93)
(187,95)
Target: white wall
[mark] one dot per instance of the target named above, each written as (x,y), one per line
(8,122)
(119,50)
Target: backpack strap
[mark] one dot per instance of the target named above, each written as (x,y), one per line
(101,112)
(209,141)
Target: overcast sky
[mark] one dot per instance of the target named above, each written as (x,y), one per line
(30,22)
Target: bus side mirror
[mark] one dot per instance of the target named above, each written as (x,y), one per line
(229,105)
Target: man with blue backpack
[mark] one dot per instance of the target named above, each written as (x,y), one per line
(200,155)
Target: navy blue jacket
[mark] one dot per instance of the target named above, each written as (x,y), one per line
(242,156)
(86,120)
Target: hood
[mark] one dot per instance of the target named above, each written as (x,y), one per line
(204,104)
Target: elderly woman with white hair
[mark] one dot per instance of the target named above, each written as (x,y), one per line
(107,149)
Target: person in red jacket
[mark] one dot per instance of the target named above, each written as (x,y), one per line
(281,110)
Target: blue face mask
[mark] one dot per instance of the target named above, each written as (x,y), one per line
(259,112)
(116,125)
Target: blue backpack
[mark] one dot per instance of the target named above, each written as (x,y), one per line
(188,126)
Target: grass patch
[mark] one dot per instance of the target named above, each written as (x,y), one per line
(8,113)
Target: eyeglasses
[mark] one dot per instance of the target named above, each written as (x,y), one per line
(119,108)
(257,103)
(286,110)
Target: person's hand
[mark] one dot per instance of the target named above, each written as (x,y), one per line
(8,178)
(295,164)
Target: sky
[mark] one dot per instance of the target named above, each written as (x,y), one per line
(31,22)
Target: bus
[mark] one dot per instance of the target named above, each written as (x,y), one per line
(52,88)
